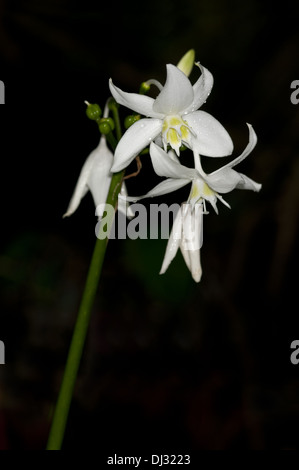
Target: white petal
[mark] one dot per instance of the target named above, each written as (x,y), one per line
(248,183)
(201,89)
(250,146)
(141,104)
(173,242)
(192,260)
(223,181)
(228,179)
(192,226)
(193,239)
(212,139)
(166,166)
(165,187)
(177,93)
(135,139)
(123,205)
(100,176)
(99,161)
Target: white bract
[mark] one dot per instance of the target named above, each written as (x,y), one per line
(172,119)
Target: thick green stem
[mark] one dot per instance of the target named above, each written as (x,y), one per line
(76,348)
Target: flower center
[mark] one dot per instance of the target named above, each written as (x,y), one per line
(201,192)
(174,132)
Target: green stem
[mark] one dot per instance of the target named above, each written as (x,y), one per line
(76,348)
(114,108)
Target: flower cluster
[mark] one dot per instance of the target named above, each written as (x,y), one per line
(170,123)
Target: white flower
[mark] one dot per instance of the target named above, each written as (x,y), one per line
(205,187)
(188,225)
(172,118)
(96,177)
(186,234)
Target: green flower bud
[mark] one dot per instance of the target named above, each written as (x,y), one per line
(106,125)
(186,63)
(93,111)
(129,120)
(144,88)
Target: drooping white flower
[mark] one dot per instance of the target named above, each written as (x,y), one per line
(96,177)
(188,225)
(172,118)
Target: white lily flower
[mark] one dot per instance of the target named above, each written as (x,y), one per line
(188,225)
(96,177)
(172,117)
(205,187)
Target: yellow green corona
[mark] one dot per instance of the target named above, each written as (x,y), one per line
(174,131)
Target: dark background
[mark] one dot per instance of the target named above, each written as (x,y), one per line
(168,363)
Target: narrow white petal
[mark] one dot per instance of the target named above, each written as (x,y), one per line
(192,226)
(166,166)
(192,260)
(201,89)
(123,205)
(135,139)
(192,239)
(165,187)
(100,176)
(228,179)
(211,138)
(141,104)
(223,181)
(173,242)
(177,93)
(247,183)
(250,146)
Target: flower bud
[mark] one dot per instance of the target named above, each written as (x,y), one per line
(129,120)
(186,63)
(93,111)
(144,88)
(106,125)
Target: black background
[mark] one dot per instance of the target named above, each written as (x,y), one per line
(168,364)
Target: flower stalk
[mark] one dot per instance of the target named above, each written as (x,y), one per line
(62,408)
